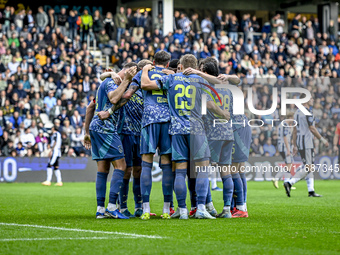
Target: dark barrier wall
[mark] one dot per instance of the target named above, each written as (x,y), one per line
(84,169)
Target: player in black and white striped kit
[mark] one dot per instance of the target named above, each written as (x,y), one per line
(284,147)
(54,160)
(303,135)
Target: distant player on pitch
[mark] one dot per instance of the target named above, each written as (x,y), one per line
(303,135)
(54,159)
(285,149)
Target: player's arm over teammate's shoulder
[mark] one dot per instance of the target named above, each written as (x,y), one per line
(103,115)
(115,92)
(233,79)
(146,83)
(109,73)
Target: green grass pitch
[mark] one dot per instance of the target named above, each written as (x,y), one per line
(276,224)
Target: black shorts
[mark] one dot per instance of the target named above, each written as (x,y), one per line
(54,161)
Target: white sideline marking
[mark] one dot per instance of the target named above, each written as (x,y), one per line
(82,230)
(57,238)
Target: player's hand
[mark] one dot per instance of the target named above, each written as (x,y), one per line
(130,73)
(191,71)
(116,78)
(295,150)
(226,115)
(222,77)
(288,153)
(87,142)
(326,144)
(103,115)
(148,67)
(335,148)
(167,71)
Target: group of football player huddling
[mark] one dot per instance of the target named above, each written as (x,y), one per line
(168,108)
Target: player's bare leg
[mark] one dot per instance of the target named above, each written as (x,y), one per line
(283,174)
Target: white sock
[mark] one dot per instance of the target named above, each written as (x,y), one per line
(183,210)
(201,207)
(123,209)
(49,174)
(166,207)
(213,182)
(226,208)
(300,174)
(57,174)
(245,207)
(146,207)
(111,207)
(241,207)
(100,209)
(193,209)
(310,184)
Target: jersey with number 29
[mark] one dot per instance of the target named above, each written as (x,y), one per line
(184,98)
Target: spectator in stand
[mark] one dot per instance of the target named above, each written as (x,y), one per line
(62,20)
(206,26)
(72,25)
(76,140)
(233,28)
(218,23)
(86,25)
(98,24)
(41,20)
(103,40)
(121,22)
(49,102)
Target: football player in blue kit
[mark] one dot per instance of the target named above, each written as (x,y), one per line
(187,131)
(241,145)
(154,134)
(106,145)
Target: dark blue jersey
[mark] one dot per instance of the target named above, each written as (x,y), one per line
(156,108)
(221,130)
(185,99)
(130,119)
(103,104)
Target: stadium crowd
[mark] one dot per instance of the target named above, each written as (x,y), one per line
(49,75)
